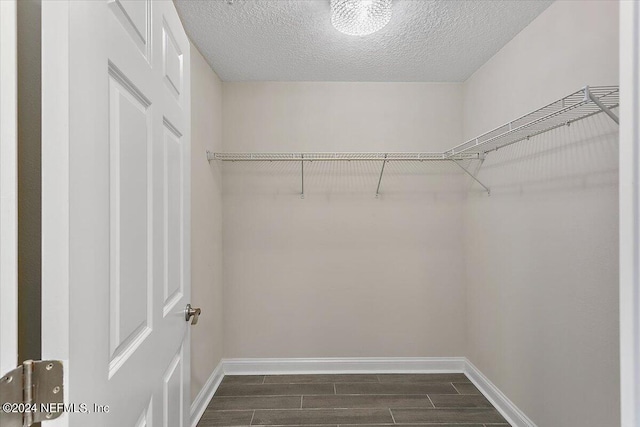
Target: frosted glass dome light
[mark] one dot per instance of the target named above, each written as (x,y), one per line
(360,17)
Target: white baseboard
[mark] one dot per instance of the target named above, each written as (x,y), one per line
(359,365)
(203,398)
(349,365)
(506,407)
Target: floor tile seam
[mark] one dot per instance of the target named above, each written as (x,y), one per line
(304,409)
(387,424)
(397,407)
(431,401)
(346,394)
(350,394)
(390,383)
(381,408)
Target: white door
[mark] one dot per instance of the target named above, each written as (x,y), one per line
(116,269)
(8,189)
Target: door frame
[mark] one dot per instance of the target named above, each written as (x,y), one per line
(630,213)
(8,187)
(55,186)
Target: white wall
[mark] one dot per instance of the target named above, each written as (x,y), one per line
(206,221)
(542,251)
(342,273)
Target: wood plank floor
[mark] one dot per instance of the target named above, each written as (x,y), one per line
(442,400)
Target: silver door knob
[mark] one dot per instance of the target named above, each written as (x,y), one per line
(191,312)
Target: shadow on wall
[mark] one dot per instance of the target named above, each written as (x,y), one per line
(542,271)
(435,179)
(577,157)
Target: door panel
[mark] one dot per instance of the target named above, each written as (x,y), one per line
(135,17)
(128,212)
(145,419)
(131,216)
(173,401)
(173,211)
(172,60)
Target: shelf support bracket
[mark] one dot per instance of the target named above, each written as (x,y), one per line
(481,158)
(302,176)
(380,178)
(601,105)
(472,176)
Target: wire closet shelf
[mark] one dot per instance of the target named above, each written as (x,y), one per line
(579,105)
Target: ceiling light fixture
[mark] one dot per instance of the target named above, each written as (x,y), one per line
(360,17)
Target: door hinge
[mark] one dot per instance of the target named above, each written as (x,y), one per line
(31,393)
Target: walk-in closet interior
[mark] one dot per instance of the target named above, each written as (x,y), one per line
(416,226)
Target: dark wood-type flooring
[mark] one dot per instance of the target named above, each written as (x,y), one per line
(435,400)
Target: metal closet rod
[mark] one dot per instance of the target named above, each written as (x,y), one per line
(578,105)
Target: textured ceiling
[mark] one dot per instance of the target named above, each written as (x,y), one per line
(289,40)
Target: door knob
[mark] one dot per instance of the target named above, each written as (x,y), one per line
(190,312)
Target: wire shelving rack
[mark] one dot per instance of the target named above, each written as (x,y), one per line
(579,105)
